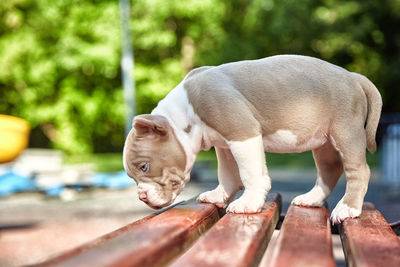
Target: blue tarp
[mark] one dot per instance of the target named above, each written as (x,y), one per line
(112,180)
(11,182)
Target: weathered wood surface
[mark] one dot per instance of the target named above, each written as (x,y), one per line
(152,243)
(369,240)
(73,252)
(304,239)
(239,239)
(236,240)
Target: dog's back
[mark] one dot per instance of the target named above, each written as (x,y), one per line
(290,92)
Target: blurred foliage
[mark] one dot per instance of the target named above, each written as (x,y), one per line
(59,69)
(102,162)
(60,60)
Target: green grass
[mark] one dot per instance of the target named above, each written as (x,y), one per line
(289,160)
(292,160)
(112,162)
(305,159)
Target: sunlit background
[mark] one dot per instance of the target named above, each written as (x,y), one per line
(60,70)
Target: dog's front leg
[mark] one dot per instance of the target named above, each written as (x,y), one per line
(250,159)
(228,178)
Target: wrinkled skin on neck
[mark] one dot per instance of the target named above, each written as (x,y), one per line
(155,159)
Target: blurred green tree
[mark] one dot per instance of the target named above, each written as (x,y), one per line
(60,70)
(59,60)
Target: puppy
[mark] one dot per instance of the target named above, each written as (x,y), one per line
(281,104)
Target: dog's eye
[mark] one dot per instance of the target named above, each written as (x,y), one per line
(144,167)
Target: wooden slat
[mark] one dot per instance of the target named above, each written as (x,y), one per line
(152,243)
(369,240)
(96,242)
(235,240)
(304,239)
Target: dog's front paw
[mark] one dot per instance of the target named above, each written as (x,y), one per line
(246,205)
(342,211)
(308,200)
(216,196)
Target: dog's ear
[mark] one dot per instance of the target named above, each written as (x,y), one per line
(147,124)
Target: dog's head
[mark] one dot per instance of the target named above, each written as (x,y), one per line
(155,159)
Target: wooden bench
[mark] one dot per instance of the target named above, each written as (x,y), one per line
(195,234)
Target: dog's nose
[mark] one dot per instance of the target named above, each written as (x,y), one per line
(143,196)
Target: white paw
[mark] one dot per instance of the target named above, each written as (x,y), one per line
(309,200)
(216,196)
(342,211)
(245,205)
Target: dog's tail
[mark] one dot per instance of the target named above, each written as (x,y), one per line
(374,101)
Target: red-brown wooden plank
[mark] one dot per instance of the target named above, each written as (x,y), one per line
(96,242)
(304,239)
(235,240)
(152,243)
(369,240)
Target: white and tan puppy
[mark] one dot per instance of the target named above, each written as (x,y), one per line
(279,104)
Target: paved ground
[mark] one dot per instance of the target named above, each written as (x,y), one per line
(34,228)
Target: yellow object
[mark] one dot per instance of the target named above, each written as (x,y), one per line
(14,135)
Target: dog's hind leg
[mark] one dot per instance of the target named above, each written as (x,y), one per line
(350,140)
(330,169)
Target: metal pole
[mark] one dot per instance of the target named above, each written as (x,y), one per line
(127,64)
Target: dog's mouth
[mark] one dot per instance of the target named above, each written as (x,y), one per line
(156,207)
(153,207)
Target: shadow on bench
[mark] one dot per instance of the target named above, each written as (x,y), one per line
(195,234)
